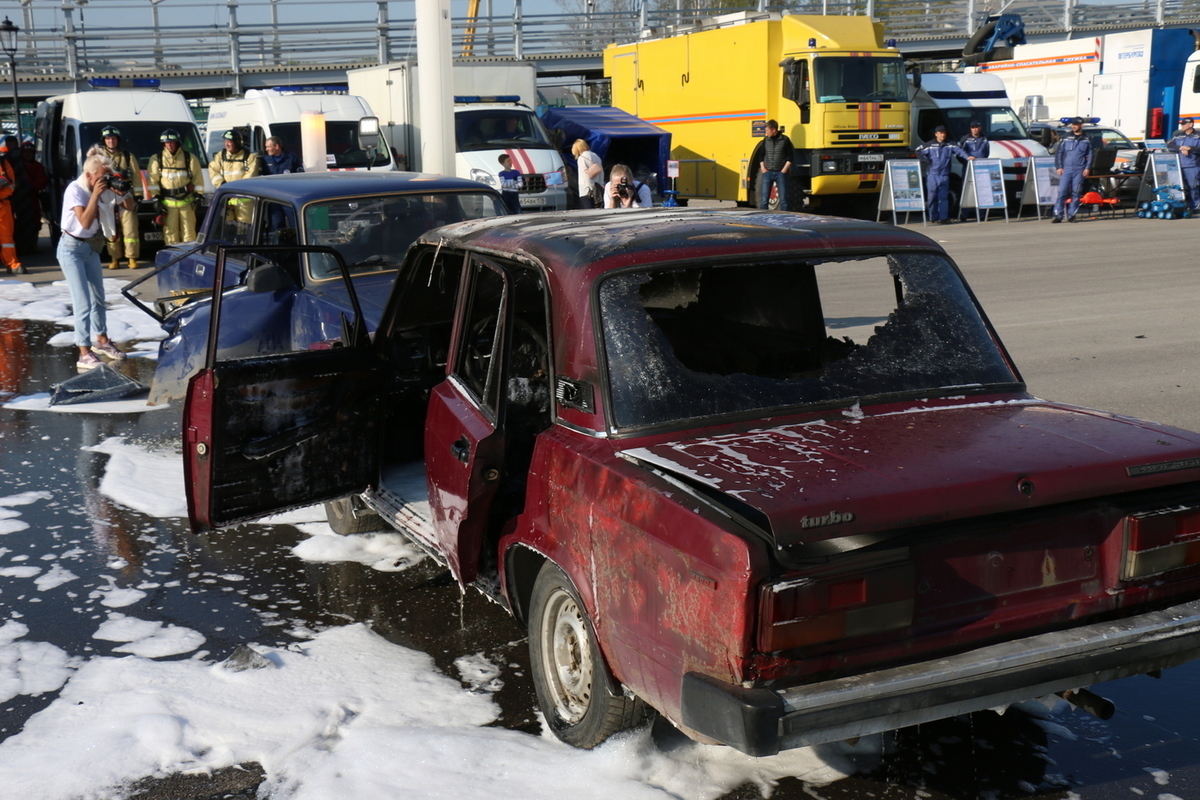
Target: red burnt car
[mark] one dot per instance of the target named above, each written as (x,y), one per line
(771,475)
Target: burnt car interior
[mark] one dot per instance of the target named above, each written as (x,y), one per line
(730,339)
(502,361)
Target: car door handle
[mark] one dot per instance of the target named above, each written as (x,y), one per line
(461,449)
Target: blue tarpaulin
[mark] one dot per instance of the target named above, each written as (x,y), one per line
(616,136)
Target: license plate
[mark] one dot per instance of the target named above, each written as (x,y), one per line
(152,236)
(533,201)
(871,157)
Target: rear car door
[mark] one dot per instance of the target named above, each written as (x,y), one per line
(269,432)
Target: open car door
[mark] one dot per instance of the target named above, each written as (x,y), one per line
(281,430)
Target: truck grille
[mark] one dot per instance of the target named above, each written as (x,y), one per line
(534,183)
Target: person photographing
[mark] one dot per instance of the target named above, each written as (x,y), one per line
(622,191)
(79,249)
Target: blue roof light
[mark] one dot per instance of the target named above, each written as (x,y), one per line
(124,83)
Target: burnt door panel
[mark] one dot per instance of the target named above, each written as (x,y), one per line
(463,448)
(267,434)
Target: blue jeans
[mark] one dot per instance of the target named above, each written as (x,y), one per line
(85,278)
(765,179)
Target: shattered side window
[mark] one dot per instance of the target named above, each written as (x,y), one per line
(702,342)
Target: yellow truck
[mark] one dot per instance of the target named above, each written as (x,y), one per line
(836,90)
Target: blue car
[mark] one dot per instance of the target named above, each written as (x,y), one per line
(283,301)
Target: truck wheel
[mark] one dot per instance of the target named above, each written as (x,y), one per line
(574,688)
(342,518)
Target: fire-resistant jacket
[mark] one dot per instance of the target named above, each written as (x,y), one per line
(174,173)
(226,167)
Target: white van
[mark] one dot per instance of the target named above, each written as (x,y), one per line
(263,113)
(955,99)
(66,126)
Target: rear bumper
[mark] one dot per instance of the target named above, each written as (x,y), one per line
(764,721)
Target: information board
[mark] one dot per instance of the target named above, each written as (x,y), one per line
(903,191)
(1041,184)
(984,184)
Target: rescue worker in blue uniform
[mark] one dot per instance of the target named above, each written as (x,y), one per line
(1187,144)
(1072,160)
(977,145)
(940,154)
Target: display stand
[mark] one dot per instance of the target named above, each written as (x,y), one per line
(1162,170)
(983,188)
(1041,185)
(903,190)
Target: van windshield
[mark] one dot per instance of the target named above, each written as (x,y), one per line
(1000,123)
(341,145)
(499,129)
(142,138)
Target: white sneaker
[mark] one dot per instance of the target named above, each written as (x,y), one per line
(86,362)
(108,350)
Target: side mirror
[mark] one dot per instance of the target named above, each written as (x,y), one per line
(269,277)
(368,134)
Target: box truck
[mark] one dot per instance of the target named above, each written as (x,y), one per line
(66,126)
(836,90)
(263,113)
(1129,80)
(493,115)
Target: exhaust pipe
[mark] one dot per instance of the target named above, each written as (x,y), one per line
(1087,701)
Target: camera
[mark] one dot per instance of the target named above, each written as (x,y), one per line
(623,187)
(118,183)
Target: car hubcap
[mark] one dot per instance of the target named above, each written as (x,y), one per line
(568,658)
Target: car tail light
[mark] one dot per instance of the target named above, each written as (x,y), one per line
(872,598)
(1161,540)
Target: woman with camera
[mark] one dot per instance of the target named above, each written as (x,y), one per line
(79,257)
(622,191)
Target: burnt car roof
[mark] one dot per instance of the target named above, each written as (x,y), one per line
(304,187)
(602,240)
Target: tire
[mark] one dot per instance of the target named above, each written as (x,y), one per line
(573,685)
(341,516)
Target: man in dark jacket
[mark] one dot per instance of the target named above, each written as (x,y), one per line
(777,153)
(279,161)
(940,153)
(1072,157)
(976,144)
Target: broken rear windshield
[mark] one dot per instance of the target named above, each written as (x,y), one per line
(685,344)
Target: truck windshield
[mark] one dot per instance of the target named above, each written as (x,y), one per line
(373,233)
(705,342)
(860,79)
(341,145)
(142,138)
(1000,123)
(499,129)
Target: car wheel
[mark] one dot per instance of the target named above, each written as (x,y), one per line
(348,515)
(574,689)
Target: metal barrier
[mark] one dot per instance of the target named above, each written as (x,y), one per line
(59,42)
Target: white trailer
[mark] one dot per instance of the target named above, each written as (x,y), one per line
(1128,80)
(493,116)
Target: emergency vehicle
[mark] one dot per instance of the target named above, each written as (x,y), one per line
(836,90)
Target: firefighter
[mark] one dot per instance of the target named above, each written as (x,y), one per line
(8,244)
(177,173)
(127,244)
(232,164)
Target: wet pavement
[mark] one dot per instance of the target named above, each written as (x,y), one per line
(246,586)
